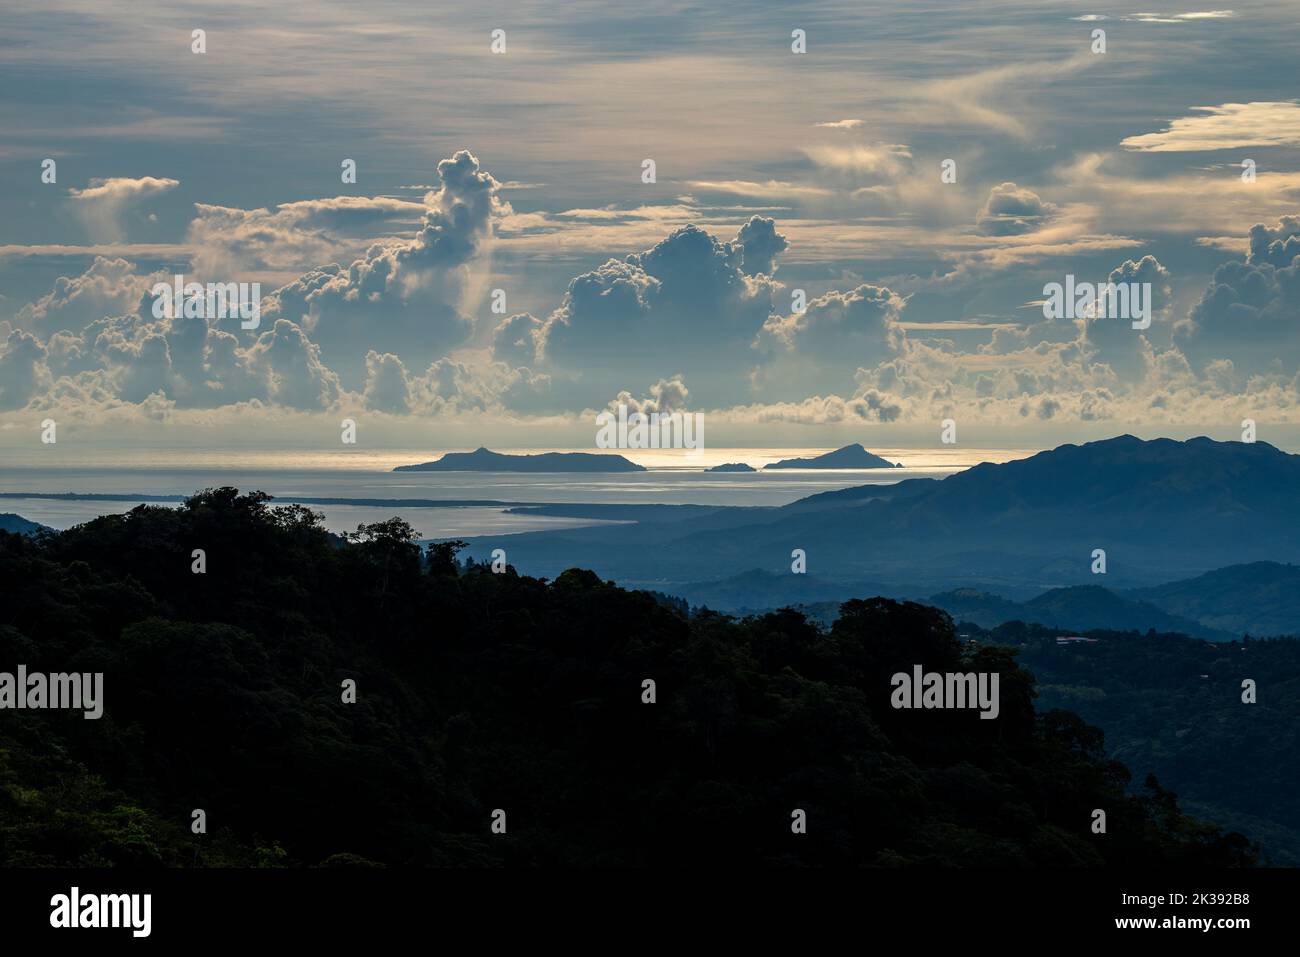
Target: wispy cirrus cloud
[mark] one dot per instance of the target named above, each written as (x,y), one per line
(771,188)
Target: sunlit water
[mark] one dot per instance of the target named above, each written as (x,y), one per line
(674,478)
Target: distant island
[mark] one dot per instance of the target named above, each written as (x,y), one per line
(850,457)
(732,467)
(485,460)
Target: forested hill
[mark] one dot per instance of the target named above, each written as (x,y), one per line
(1172,705)
(478,691)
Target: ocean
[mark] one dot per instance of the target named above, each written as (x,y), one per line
(675,477)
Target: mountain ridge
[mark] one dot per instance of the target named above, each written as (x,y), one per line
(1161,510)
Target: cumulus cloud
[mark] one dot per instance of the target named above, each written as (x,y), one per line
(686,305)
(827,342)
(299,379)
(877,406)
(102,204)
(453,386)
(857,326)
(190,364)
(386,387)
(1250,312)
(107,287)
(1011,210)
(692,307)
(761,244)
(406,298)
(23,373)
(666,396)
(515,339)
(1113,340)
(1278,246)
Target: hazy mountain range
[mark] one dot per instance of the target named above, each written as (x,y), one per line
(1200,537)
(1259,599)
(1161,510)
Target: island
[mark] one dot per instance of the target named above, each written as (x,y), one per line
(485,460)
(732,467)
(850,457)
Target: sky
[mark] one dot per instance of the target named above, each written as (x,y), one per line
(504,266)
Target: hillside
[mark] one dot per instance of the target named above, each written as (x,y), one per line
(477,691)
(9,522)
(1160,509)
(1079,607)
(1259,598)
(1172,706)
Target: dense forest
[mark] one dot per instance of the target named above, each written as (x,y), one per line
(478,691)
(1172,705)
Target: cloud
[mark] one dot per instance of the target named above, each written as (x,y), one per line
(687,304)
(190,363)
(1114,341)
(409,298)
(1250,312)
(291,236)
(833,336)
(299,379)
(837,319)
(1278,246)
(883,160)
(102,204)
(107,287)
(875,406)
(992,97)
(666,396)
(1178,17)
(771,189)
(452,387)
(1230,126)
(841,124)
(1012,210)
(23,373)
(386,387)
(515,339)
(1122,193)
(761,244)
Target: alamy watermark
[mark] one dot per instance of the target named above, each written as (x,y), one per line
(83,691)
(649,430)
(950,690)
(215,300)
(1105,300)
(75,909)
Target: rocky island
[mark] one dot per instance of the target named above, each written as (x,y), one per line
(485,460)
(850,457)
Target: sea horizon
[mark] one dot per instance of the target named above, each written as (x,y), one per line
(673,477)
